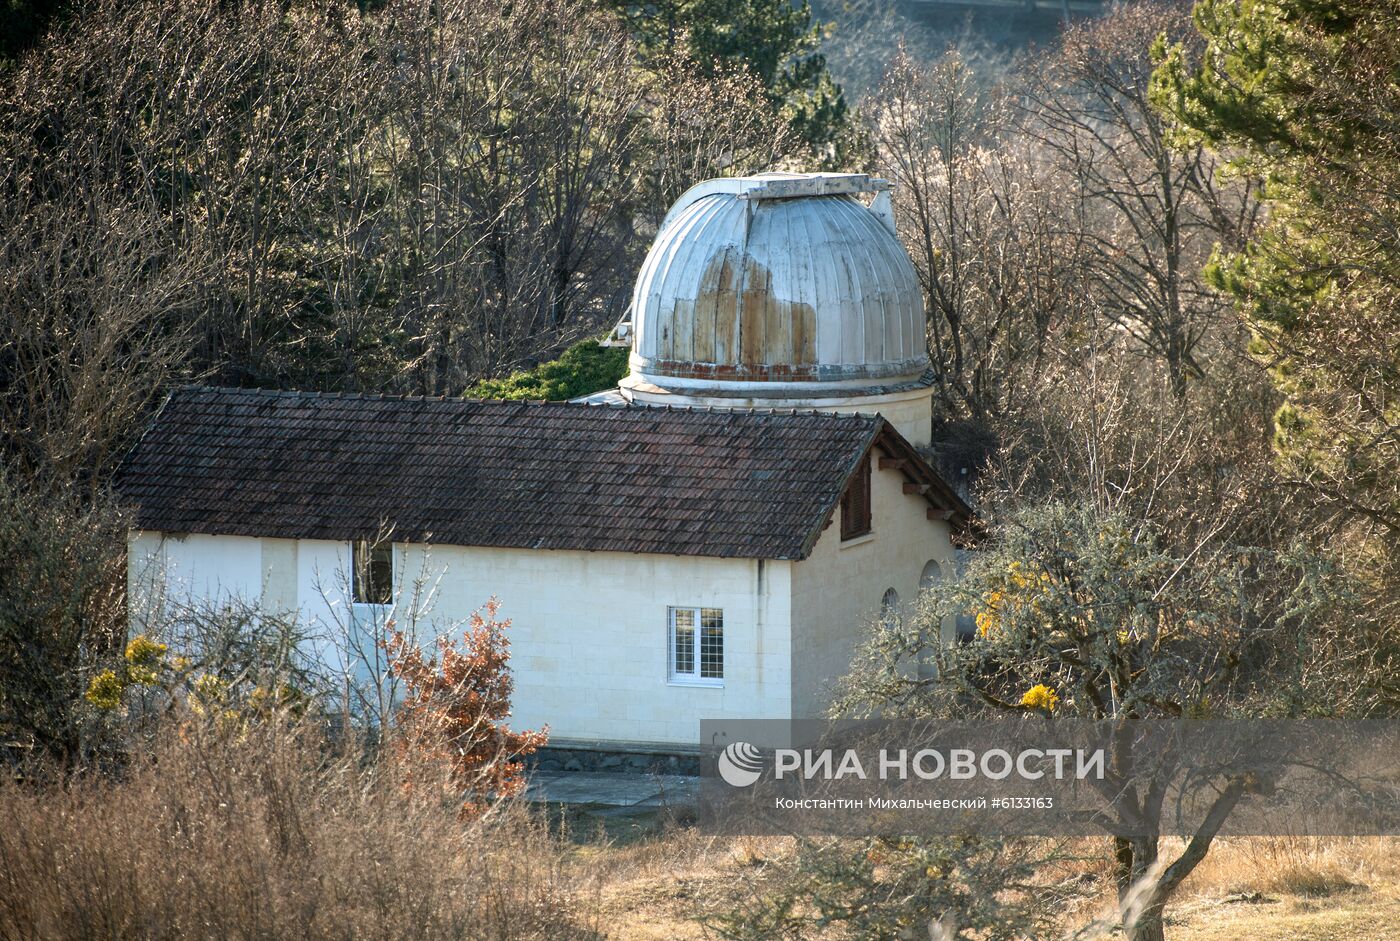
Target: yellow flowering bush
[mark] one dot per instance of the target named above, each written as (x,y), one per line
(144,660)
(105,690)
(143,651)
(987,617)
(1020,589)
(207,692)
(225,683)
(142,664)
(1041,696)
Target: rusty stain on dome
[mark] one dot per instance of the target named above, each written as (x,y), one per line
(736,319)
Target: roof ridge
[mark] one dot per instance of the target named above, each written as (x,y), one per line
(721,412)
(363,396)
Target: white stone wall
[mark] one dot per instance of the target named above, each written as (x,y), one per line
(911,415)
(588,633)
(180,569)
(837,590)
(589,630)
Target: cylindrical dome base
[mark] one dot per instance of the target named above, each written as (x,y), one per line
(908,407)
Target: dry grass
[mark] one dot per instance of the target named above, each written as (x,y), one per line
(654,888)
(1307,867)
(262,835)
(1296,888)
(1301,889)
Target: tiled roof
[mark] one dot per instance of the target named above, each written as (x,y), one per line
(510,474)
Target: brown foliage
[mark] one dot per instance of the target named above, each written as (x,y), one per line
(454,710)
(304,194)
(1148,212)
(1050,215)
(984,225)
(720,126)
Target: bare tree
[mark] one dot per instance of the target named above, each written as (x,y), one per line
(1141,562)
(510,139)
(91,303)
(980,219)
(708,127)
(1148,214)
(405,199)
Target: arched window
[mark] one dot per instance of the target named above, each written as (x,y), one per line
(965,629)
(931,575)
(889,607)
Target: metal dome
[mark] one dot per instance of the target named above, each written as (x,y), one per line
(778,285)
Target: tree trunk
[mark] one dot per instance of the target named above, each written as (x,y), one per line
(1122,865)
(1147,926)
(1141,900)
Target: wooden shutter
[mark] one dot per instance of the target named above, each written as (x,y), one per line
(855,503)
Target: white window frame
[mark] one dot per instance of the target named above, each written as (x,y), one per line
(692,678)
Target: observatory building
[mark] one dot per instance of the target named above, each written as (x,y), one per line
(709,540)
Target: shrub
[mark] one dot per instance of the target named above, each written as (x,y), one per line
(62,587)
(226,662)
(1089,613)
(452,719)
(900,887)
(582,369)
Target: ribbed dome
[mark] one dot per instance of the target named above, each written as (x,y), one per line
(777,279)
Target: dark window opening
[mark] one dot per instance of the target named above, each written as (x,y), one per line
(889,608)
(966,628)
(855,503)
(373,574)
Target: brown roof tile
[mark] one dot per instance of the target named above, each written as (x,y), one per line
(735,484)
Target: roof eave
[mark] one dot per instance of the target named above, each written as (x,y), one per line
(916,468)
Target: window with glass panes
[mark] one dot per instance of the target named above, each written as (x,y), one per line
(696,642)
